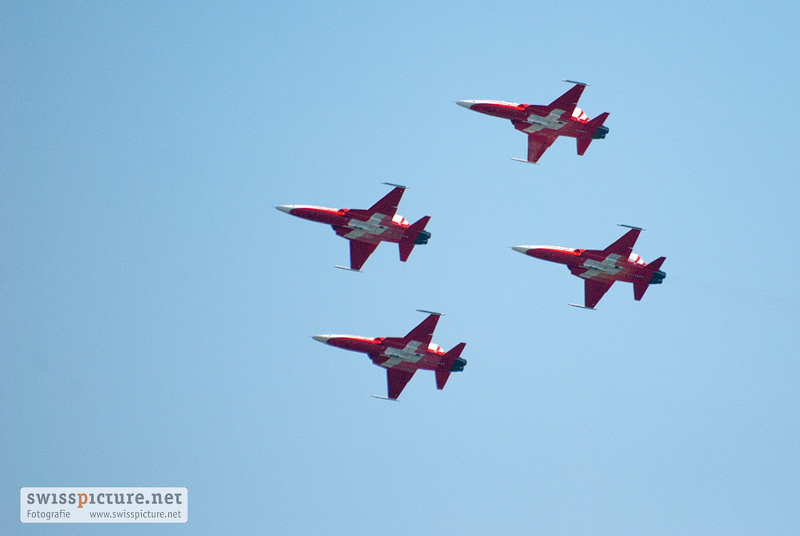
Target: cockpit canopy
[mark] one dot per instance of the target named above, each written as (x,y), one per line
(580,115)
(432,347)
(400,220)
(636,259)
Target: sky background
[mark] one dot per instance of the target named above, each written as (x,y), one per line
(156,310)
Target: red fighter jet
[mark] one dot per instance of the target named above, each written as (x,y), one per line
(365,229)
(601,268)
(403,356)
(543,124)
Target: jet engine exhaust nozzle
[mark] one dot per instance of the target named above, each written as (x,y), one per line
(422,238)
(600,133)
(458,364)
(658,277)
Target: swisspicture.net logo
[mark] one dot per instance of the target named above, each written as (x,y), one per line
(103,505)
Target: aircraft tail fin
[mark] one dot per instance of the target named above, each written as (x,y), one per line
(639,288)
(405,250)
(415,235)
(597,130)
(441,378)
(656,277)
(451,362)
(583,144)
(598,121)
(656,264)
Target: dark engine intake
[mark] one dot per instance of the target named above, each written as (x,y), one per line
(600,133)
(658,277)
(458,364)
(422,238)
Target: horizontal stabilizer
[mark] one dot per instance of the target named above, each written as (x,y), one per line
(641,286)
(448,360)
(656,264)
(405,250)
(415,235)
(598,121)
(441,378)
(583,144)
(417,227)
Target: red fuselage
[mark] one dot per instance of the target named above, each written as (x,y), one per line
(391,354)
(531,118)
(352,225)
(595,264)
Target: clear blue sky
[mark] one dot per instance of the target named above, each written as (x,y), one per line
(157,310)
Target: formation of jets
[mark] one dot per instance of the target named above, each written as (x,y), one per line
(366,228)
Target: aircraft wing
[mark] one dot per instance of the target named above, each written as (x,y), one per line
(593,291)
(624,245)
(538,143)
(359,253)
(568,101)
(397,380)
(387,205)
(423,333)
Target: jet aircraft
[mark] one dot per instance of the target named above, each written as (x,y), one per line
(403,356)
(365,229)
(543,124)
(601,268)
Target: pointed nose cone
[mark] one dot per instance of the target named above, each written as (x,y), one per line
(520,249)
(322,338)
(285,208)
(466,103)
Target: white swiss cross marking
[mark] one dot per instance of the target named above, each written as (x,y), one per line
(552,121)
(410,353)
(606,266)
(371,226)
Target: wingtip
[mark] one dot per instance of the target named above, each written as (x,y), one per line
(379,397)
(346,268)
